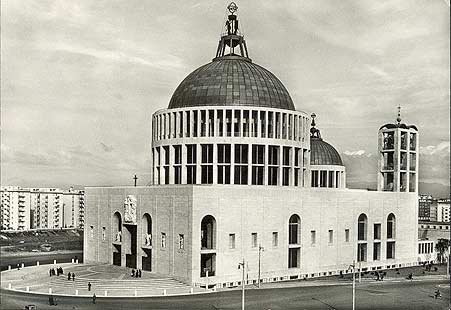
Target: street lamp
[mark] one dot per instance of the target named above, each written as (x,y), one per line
(242,265)
(353,284)
(260,249)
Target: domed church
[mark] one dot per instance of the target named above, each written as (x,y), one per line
(239,174)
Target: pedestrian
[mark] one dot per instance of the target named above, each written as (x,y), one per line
(377,275)
(437,294)
(68,276)
(53,271)
(133,273)
(140,273)
(18,267)
(51,300)
(89,286)
(94,297)
(50,271)
(137,273)
(57,271)
(73,276)
(61,269)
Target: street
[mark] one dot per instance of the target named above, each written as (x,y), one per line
(383,295)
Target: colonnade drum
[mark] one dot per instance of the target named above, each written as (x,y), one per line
(231,145)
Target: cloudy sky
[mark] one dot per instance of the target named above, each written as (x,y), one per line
(81,79)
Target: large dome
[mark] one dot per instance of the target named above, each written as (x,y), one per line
(231,81)
(322,153)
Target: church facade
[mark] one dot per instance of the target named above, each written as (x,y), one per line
(238,174)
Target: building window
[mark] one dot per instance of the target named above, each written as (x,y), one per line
(361,252)
(254,240)
(377,251)
(346,235)
(323,178)
(91,232)
(177,164)
(313,237)
(163,240)
(275,239)
(181,241)
(391,226)
(191,160)
(224,163)
(362,227)
(286,166)
(314,178)
(390,249)
(241,161)
(258,164)
(294,229)
(273,165)
(231,241)
(377,231)
(207,164)
(331,236)
(103,233)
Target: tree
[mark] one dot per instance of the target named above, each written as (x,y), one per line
(441,247)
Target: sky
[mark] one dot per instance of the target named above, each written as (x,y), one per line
(81,79)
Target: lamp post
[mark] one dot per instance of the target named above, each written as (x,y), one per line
(260,249)
(353,284)
(242,265)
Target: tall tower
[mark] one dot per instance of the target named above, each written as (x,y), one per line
(398,157)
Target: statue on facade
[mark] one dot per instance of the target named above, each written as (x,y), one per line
(118,237)
(130,209)
(148,240)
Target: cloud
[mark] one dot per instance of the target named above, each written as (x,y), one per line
(442,148)
(106,148)
(378,71)
(354,153)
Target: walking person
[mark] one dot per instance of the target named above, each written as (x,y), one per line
(68,276)
(89,286)
(50,271)
(73,276)
(94,297)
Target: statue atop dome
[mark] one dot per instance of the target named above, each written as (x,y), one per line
(314,132)
(232,37)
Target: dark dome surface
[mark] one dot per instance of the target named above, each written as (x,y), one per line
(322,153)
(231,81)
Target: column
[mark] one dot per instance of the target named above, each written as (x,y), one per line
(265,179)
(198,159)
(232,161)
(279,177)
(216,124)
(292,164)
(215,159)
(184,161)
(259,125)
(171,164)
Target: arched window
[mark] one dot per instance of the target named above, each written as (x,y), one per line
(147,229)
(208,232)
(362,227)
(294,229)
(117,227)
(391,221)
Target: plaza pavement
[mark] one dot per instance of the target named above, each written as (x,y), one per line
(115,281)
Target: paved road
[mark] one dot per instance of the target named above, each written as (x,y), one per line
(384,295)
(31,259)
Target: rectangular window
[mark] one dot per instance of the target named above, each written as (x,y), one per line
(191,151)
(231,241)
(313,237)
(254,240)
(361,252)
(376,251)
(207,164)
(275,239)
(377,231)
(331,179)
(224,153)
(177,164)
(323,178)
(163,240)
(346,235)
(241,161)
(390,249)
(181,241)
(273,164)
(314,178)
(331,236)
(258,161)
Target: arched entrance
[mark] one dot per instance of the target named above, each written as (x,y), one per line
(208,246)
(117,238)
(146,232)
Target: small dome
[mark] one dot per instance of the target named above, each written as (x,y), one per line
(231,81)
(322,153)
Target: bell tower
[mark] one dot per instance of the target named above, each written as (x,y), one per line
(398,157)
